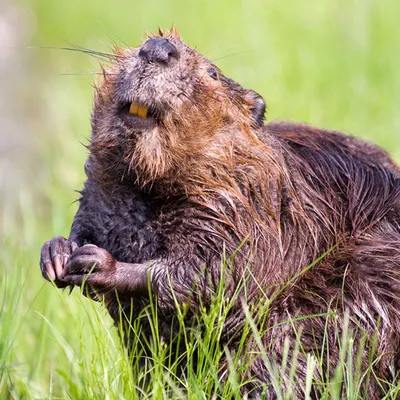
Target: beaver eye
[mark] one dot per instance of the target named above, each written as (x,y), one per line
(213,73)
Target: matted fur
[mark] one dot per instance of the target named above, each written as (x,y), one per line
(165,200)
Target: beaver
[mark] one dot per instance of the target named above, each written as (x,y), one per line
(182,171)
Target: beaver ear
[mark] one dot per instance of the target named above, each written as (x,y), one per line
(257,108)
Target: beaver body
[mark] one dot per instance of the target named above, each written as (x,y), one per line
(182,169)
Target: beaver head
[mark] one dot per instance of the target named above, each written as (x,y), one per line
(162,106)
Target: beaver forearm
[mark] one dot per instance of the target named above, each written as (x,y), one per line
(66,264)
(172,281)
(97,268)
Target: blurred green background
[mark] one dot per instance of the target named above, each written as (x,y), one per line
(333,64)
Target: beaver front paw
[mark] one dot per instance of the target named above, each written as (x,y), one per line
(54,256)
(92,265)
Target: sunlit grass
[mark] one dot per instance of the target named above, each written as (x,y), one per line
(85,360)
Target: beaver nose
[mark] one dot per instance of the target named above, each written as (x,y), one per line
(158,50)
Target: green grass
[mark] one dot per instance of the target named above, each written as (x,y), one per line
(331,64)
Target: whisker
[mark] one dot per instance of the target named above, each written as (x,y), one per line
(230,55)
(113,36)
(74,46)
(80,73)
(96,54)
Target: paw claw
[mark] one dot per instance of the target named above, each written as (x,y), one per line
(58,267)
(50,271)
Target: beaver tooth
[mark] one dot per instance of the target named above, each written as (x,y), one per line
(133,109)
(138,110)
(142,112)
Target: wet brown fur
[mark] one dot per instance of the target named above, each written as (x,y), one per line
(285,194)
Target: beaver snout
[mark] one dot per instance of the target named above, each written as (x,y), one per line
(159,50)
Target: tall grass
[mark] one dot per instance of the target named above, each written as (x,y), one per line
(332,64)
(89,362)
